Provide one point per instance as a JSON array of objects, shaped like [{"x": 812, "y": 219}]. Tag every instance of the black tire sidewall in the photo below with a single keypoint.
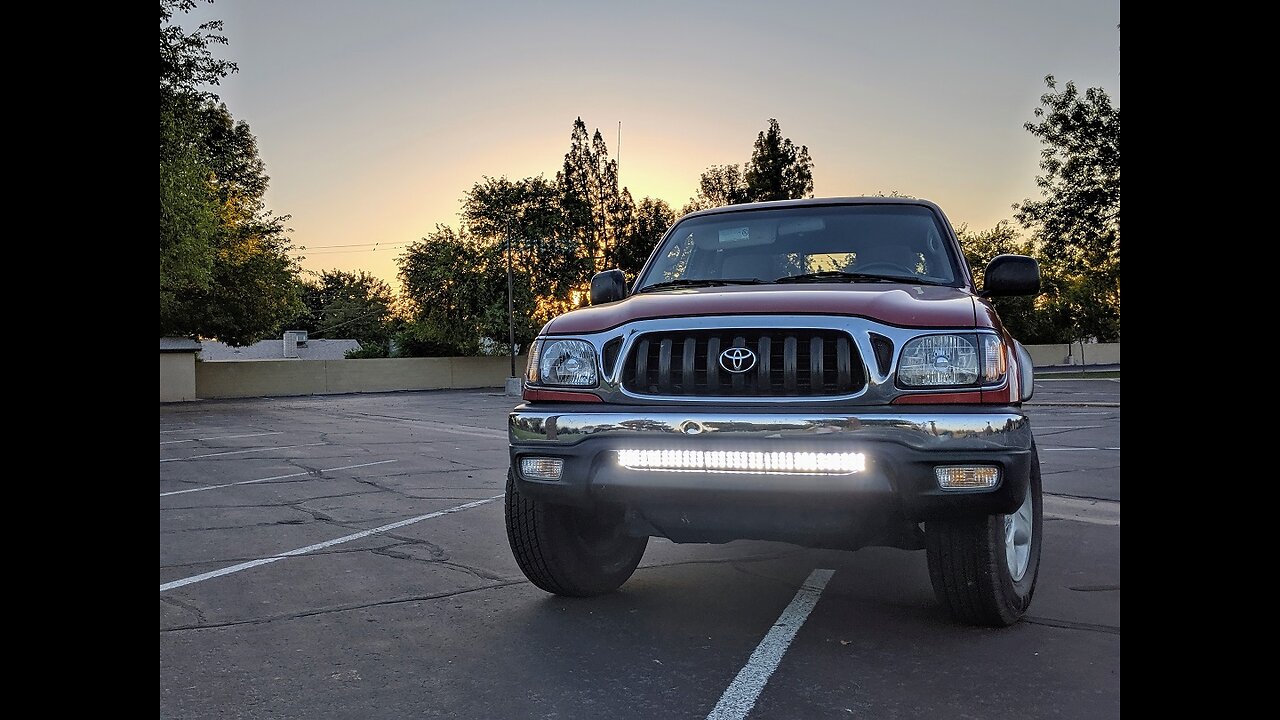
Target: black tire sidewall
[
  {"x": 590, "y": 569},
  {"x": 1017, "y": 595},
  {"x": 551, "y": 551}
]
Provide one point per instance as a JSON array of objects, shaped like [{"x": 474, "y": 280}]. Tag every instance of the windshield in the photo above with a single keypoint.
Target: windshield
[{"x": 825, "y": 243}]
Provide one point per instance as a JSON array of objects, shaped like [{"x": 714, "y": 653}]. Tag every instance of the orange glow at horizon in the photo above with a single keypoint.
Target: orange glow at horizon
[{"x": 375, "y": 120}]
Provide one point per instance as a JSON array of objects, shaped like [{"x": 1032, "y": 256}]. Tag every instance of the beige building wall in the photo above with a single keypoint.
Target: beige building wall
[
  {"x": 257, "y": 378},
  {"x": 1094, "y": 354},
  {"x": 177, "y": 376}
]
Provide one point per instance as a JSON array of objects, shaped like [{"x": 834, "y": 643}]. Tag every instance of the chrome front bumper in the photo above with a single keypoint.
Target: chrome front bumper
[
  {"x": 901, "y": 447},
  {"x": 926, "y": 430}
]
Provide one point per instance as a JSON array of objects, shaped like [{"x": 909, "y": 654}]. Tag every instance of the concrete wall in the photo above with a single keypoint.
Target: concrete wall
[
  {"x": 181, "y": 378},
  {"x": 322, "y": 377},
  {"x": 1095, "y": 354},
  {"x": 177, "y": 376}
]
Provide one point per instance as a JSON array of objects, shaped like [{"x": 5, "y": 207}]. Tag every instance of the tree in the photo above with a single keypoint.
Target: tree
[
  {"x": 188, "y": 204},
  {"x": 548, "y": 257},
  {"x": 1029, "y": 319},
  {"x": 778, "y": 170},
  {"x": 595, "y": 210},
  {"x": 1077, "y": 219},
  {"x": 651, "y": 220},
  {"x": 252, "y": 286},
  {"x": 719, "y": 185},
  {"x": 342, "y": 304},
  {"x": 225, "y": 269},
  {"x": 188, "y": 221},
  {"x": 186, "y": 61},
  {"x": 456, "y": 289}
]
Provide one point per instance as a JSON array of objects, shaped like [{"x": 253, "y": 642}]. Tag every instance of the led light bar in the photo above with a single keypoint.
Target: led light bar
[{"x": 733, "y": 461}]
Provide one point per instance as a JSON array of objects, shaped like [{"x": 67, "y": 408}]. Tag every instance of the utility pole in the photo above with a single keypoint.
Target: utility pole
[{"x": 511, "y": 318}]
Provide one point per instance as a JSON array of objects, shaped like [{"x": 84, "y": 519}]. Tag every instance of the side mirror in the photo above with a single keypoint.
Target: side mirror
[
  {"x": 608, "y": 286},
  {"x": 1008, "y": 275}
]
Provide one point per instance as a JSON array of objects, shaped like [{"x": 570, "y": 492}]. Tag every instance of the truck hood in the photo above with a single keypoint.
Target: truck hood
[{"x": 925, "y": 306}]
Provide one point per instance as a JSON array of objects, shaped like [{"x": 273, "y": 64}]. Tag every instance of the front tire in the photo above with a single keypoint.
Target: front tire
[
  {"x": 567, "y": 550},
  {"x": 984, "y": 570}
]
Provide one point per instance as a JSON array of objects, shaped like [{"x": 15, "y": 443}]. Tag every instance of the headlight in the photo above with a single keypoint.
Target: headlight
[
  {"x": 952, "y": 360},
  {"x": 563, "y": 362}
]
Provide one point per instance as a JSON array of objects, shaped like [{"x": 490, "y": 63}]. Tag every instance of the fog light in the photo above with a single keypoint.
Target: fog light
[
  {"x": 541, "y": 468},
  {"x": 967, "y": 477}
]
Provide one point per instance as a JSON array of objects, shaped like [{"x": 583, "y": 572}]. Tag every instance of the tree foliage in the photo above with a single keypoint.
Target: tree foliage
[
  {"x": 187, "y": 62},
  {"x": 719, "y": 185},
  {"x": 650, "y": 220},
  {"x": 456, "y": 286},
  {"x": 596, "y": 211},
  {"x": 528, "y": 213},
  {"x": 558, "y": 233},
  {"x": 225, "y": 271},
  {"x": 343, "y": 304},
  {"x": 1029, "y": 319},
  {"x": 1076, "y": 222},
  {"x": 778, "y": 170}
]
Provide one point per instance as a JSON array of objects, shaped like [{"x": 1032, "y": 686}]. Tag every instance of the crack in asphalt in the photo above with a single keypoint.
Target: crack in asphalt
[
  {"x": 438, "y": 557},
  {"x": 247, "y": 558},
  {"x": 505, "y": 581},
  {"x": 265, "y": 504},
  {"x": 186, "y": 606},
  {"x": 374, "y": 483},
  {"x": 317, "y": 516},
  {"x": 1072, "y": 625},
  {"x": 343, "y": 608},
  {"x": 246, "y": 526},
  {"x": 1083, "y": 497}
]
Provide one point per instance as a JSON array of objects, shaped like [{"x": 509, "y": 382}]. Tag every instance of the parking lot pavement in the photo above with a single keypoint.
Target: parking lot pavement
[{"x": 345, "y": 556}]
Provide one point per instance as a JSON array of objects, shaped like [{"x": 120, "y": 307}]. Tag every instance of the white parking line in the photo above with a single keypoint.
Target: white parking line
[
  {"x": 218, "y": 437},
  {"x": 240, "y": 452},
  {"x": 165, "y": 587},
  {"x": 743, "y": 692},
  {"x": 273, "y": 477},
  {"x": 1076, "y": 449}
]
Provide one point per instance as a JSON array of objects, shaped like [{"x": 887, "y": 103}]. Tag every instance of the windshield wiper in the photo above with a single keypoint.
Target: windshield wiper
[
  {"x": 704, "y": 282},
  {"x": 840, "y": 276}
]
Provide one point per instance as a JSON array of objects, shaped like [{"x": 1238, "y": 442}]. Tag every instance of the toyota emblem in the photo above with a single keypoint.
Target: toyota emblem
[{"x": 737, "y": 359}]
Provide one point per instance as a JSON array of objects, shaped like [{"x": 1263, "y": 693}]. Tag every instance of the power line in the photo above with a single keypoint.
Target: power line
[
  {"x": 341, "y": 252},
  {"x": 355, "y": 245}
]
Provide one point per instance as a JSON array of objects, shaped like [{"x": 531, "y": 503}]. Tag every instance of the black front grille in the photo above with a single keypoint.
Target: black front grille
[{"x": 787, "y": 363}]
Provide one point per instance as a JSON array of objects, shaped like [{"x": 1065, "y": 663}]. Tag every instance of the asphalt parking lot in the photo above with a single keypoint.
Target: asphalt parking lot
[{"x": 345, "y": 556}]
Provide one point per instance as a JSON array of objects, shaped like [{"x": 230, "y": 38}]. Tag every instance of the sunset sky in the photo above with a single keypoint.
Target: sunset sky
[{"x": 375, "y": 117}]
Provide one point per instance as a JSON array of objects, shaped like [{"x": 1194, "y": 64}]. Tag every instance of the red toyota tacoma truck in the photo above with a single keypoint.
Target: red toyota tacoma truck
[{"x": 821, "y": 372}]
